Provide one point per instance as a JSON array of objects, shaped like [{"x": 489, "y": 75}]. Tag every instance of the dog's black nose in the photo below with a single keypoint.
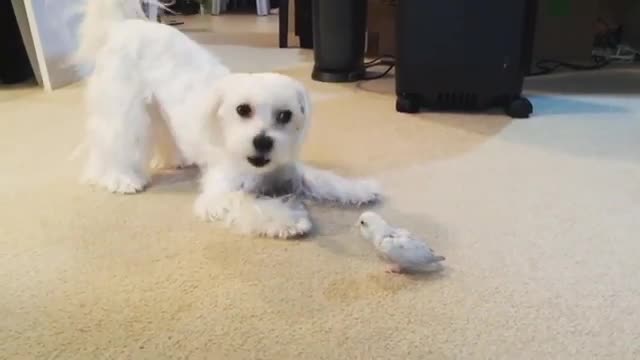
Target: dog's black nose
[{"x": 263, "y": 143}]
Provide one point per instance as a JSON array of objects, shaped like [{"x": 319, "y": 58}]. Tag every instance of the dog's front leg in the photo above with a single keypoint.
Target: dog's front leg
[
  {"x": 284, "y": 217},
  {"x": 324, "y": 185}
]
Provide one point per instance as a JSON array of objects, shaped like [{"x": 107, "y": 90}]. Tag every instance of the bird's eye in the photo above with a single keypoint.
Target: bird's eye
[
  {"x": 244, "y": 110},
  {"x": 283, "y": 117},
  {"x": 363, "y": 223}
]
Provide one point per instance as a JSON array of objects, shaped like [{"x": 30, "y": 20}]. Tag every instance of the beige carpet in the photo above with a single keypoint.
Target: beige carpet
[{"x": 539, "y": 220}]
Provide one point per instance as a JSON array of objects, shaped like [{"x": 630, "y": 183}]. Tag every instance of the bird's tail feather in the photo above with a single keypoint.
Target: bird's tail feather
[{"x": 436, "y": 259}]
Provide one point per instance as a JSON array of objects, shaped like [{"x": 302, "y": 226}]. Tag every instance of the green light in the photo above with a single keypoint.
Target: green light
[{"x": 560, "y": 7}]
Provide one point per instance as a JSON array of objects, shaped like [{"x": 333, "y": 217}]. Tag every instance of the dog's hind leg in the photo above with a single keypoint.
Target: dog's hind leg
[{"x": 118, "y": 133}]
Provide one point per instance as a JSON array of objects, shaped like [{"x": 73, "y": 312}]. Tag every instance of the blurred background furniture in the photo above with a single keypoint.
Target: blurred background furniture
[
  {"x": 302, "y": 22},
  {"x": 14, "y": 62},
  {"x": 218, "y": 6},
  {"x": 158, "y": 13},
  {"x": 49, "y": 36},
  {"x": 283, "y": 24},
  {"x": 186, "y": 7}
]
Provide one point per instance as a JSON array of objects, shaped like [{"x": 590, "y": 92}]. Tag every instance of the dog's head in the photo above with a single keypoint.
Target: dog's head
[{"x": 261, "y": 120}]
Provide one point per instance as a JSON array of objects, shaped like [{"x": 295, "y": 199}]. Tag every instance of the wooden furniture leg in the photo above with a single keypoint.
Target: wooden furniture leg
[{"x": 283, "y": 21}]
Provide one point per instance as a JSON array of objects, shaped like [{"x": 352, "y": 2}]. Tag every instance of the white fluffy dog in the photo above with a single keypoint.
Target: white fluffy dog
[{"x": 158, "y": 99}]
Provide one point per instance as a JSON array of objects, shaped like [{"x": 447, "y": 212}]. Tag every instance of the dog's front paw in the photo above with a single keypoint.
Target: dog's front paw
[
  {"x": 246, "y": 214},
  {"x": 209, "y": 210},
  {"x": 283, "y": 218},
  {"x": 176, "y": 161},
  {"x": 295, "y": 228},
  {"x": 365, "y": 192},
  {"x": 119, "y": 183}
]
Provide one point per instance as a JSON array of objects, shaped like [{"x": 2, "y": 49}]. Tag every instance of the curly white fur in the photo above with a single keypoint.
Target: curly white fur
[{"x": 156, "y": 98}]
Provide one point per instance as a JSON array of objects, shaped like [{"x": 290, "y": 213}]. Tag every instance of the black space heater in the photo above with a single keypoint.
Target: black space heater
[
  {"x": 339, "y": 28},
  {"x": 464, "y": 54}
]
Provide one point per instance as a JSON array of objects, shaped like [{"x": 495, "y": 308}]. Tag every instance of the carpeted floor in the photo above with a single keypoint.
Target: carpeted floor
[{"x": 539, "y": 220}]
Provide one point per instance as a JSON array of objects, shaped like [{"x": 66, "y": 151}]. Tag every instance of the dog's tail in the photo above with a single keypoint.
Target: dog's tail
[{"x": 99, "y": 16}]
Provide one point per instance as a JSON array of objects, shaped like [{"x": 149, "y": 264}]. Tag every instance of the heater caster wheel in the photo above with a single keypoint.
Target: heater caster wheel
[
  {"x": 519, "y": 108},
  {"x": 407, "y": 104}
]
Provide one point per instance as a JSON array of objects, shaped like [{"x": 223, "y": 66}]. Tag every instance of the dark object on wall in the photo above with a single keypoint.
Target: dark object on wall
[
  {"x": 464, "y": 54},
  {"x": 338, "y": 38},
  {"x": 14, "y": 62},
  {"x": 565, "y": 29}
]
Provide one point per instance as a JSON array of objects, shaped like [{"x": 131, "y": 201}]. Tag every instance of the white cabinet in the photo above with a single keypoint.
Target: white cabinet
[{"x": 49, "y": 29}]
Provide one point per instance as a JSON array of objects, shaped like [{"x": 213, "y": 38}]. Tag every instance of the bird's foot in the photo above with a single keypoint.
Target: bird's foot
[{"x": 394, "y": 269}]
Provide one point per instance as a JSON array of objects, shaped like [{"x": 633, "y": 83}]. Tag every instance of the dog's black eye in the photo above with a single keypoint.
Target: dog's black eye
[
  {"x": 363, "y": 223},
  {"x": 283, "y": 117},
  {"x": 244, "y": 110}
]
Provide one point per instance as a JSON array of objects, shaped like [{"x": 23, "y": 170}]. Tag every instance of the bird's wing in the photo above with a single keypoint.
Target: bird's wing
[
  {"x": 405, "y": 250},
  {"x": 392, "y": 232},
  {"x": 400, "y": 232}
]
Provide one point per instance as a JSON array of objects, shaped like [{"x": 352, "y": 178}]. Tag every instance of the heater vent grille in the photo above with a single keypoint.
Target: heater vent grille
[{"x": 457, "y": 100}]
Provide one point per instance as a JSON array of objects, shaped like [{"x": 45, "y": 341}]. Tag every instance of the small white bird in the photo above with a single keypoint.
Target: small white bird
[{"x": 400, "y": 248}]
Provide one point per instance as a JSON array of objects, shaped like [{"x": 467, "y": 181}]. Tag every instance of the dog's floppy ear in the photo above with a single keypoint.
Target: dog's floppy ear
[
  {"x": 214, "y": 99},
  {"x": 208, "y": 110},
  {"x": 303, "y": 100}
]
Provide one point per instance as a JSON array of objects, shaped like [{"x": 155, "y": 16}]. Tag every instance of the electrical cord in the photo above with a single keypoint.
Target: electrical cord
[
  {"x": 608, "y": 38},
  {"x": 383, "y": 60},
  {"x": 547, "y": 66},
  {"x": 380, "y": 58}
]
